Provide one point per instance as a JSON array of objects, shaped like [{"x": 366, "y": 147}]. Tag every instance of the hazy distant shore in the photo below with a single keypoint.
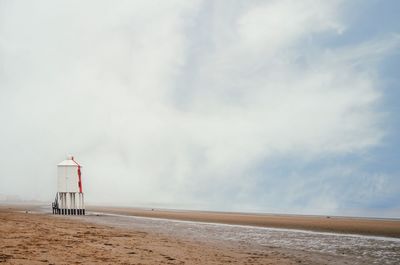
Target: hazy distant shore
[{"x": 350, "y": 225}]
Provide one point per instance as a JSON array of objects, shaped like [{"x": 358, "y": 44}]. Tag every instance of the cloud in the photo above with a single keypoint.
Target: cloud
[{"x": 182, "y": 102}]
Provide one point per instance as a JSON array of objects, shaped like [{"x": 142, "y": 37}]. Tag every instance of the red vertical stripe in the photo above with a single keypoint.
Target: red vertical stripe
[{"x": 79, "y": 175}]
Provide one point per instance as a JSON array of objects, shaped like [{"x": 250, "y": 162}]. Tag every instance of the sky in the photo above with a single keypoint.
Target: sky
[{"x": 255, "y": 106}]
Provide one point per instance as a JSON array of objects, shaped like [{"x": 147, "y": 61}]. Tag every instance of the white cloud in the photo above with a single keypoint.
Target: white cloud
[{"x": 278, "y": 24}]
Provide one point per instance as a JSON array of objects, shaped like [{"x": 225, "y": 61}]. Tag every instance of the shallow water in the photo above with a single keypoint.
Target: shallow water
[{"x": 370, "y": 249}]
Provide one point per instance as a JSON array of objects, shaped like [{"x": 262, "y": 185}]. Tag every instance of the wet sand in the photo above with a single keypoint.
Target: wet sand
[
  {"x": 362, "y": 226},
  {"x": 42, "y": 238}
]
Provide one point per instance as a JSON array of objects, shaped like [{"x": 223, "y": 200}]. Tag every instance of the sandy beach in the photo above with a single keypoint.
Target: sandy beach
[
  {"x": 44, "y": 239},
  {"x": 33, "y": 237}
]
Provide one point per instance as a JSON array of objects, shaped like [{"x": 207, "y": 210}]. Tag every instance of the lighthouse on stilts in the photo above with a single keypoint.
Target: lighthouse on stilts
[{"x": 69, "y": 197}]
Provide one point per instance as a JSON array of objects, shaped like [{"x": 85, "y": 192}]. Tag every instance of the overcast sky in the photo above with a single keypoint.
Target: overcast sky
[{"x": 269, "y": 106}]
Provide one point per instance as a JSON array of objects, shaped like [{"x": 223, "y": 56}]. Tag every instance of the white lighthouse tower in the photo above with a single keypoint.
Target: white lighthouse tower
[{"x": 69, "y": 197}]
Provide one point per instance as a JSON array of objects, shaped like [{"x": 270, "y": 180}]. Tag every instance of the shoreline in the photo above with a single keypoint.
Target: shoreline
[
  {"x": 384, "y": 227},
  {"x": 333, "y": 224}
]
